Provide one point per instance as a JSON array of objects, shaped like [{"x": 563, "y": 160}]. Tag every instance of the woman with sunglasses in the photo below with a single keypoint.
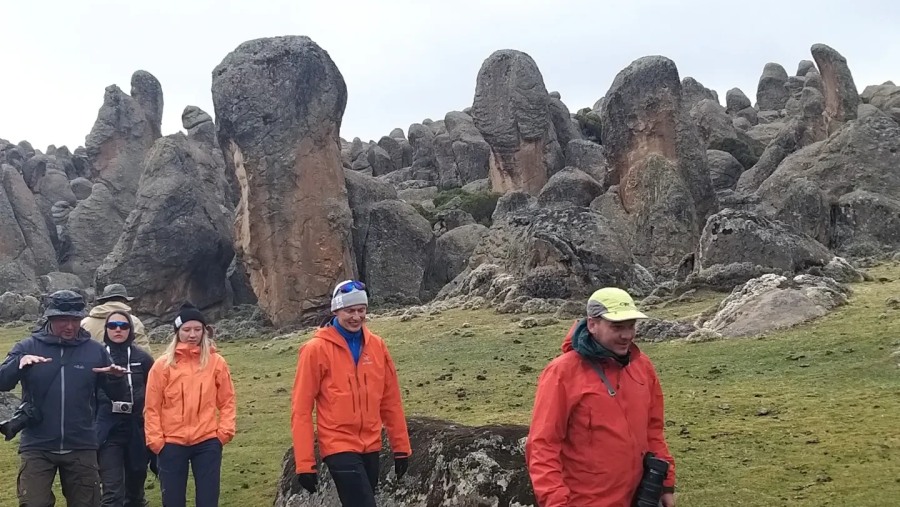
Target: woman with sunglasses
[
  {"x": 346, "y": 372},
  {"x": 123, "y": 455},
  {"x": 190, "y": 411}
]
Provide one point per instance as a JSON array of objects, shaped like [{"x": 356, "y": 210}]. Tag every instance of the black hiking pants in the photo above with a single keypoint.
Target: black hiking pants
[
  {"x": 355, "y": 477},
  {"x": 78, "y": 475}
]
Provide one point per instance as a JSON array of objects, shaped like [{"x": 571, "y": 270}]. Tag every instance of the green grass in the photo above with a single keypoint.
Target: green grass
[{"x": 807, "y": 417}]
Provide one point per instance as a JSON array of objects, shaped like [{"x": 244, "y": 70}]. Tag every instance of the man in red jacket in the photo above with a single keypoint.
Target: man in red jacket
[{"x": 597, "y": 412}]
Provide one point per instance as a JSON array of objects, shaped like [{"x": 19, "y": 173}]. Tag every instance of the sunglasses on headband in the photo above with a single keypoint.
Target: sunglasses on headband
[
  {"x": 351, "y": 286},
  {"x": 117, "y": 325}
]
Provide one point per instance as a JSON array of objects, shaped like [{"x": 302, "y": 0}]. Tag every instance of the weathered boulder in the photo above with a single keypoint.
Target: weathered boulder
[
  {"x": 461, "y": 153},
  {"x": 566, "y": 130},
  {"x": 771, "y": 95},
  {"x": 732, "y": 236},
  {"x": 657, "y": 160},
  {"x": 181, "y": 196},
  {"x": 146, "y": 90},
  {"x": 52, "y": 282},
  {"x": 16, "y": 259},
  {"x": 841, "y": 96},
  {"x": 116, "y": 147},
  {"x": 15, "y": 306},
  {"x": 858, "y": 161},
  {"x": 570, "y": 187},
  {"x": 278, "y": 106},
  {"x": 511, "y": 202},
  {"x": 511, "y": 112},
  {"x": 884, "y": 96},
  {"x": 590, "y": 157},
  {"x": 736, "y": 100},
  {"x": 656, "y": 330},
  {"x": 576, "y": 242},
  {"x": 362, "y": 192},
  {"x": 452, "y": 251},
  {"x": 798, "y": 133},
  {"x": 804, "y": 67},
  {"x": 759, "y": 305},
  {"x": 424, "y": 161},
  {"x": 81, "y": 187},
  {"x": 396, "y": 252},
  {"x": 693, "y": 92},
  {"x": 717, "y": 131},
  {"x": 32, "y": 222},
  {"x": 456, "y": 465},
  {"x": 724, "y": 169}
]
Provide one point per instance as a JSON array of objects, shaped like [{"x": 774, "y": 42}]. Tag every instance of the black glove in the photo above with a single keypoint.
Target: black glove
[
  {"x": 401, "y": 464},
  {"x": 308, "y": 481}
]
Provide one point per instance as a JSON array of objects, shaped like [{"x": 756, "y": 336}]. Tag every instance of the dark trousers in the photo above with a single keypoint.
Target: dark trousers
[
  {"x": 205, "y": 460},
  {"x": 355, "y": 477},
  {"x": 78, "y": 475},
  {"x": 123, "y": 485}
]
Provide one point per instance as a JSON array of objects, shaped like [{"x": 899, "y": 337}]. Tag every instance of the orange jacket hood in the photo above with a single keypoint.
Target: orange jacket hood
[
  {"x": 187, "y": 404},
  {"x": 353, "y": 401}
]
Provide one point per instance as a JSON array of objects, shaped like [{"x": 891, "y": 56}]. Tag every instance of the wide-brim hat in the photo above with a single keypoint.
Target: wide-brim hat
[
  {"x": 114, "y": 290},
  {"x": 65, "y": 303}
]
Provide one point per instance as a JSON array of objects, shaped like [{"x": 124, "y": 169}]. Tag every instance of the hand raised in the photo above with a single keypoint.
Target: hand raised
[
  {"x": 28, "y": 360},
  {"x": 112, "y": 369}
]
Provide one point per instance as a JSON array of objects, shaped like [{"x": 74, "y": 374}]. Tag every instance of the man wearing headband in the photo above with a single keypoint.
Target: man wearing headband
[
  {"x": 598, "y": 413},
  {"x": 346, "y": 372}
]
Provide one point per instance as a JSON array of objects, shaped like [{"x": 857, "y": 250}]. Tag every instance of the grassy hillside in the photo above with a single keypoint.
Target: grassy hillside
[{"x": 807, "y": 417}]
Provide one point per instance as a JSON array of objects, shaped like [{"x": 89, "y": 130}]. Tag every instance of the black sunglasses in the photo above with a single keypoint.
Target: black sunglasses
[{"x": 117, "y": 325}]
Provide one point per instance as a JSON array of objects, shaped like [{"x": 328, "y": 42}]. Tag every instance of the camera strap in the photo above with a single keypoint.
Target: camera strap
[
  {"x": 127, "y": 367},
  {"x": 597, "y": 368}
]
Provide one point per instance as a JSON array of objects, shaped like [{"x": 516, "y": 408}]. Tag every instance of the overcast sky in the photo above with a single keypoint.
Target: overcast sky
[{"x": 404, "y": 61}]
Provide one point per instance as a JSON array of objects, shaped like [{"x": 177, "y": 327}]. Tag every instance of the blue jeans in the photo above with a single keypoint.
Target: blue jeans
[{"x": 205, "y": 459}]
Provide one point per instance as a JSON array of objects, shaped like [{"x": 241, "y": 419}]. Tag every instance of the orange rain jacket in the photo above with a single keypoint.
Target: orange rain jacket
[
  {"x": 182, "y": 400},
  {"x": 352, "y": 401},
  {"x": 585, "y": 447}
]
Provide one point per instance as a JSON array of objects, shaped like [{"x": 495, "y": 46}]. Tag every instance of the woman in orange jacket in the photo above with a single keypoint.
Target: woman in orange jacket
[
  {"x": 598, "y": 412},
  {"x": 190, "y": 411},
  {"x": 346, "y": 372}
]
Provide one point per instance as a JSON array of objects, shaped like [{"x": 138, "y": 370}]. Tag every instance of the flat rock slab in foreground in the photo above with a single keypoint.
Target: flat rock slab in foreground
[{"x": 462, "y": 466}]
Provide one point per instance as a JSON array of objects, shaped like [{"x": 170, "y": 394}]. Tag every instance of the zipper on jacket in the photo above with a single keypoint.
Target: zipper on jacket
[
  {"x": 366, "y": 383},
  {"x": 350, "y": 383},
  {"x": 182, "y": 401},
  {"x": 200, "y": 401},
  {"x": 62, "y": 398},
  {"x": 359, "y": 399}
]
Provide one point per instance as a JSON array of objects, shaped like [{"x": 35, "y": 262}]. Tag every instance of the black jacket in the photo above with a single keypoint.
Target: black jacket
[
  {"x": 64, "y": 389},
  {"x": 139, "y": 362}
]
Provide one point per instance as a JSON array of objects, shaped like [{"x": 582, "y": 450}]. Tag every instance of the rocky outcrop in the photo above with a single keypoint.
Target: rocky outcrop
[
  {"x": 511, "y": 112},
  {"x": 718, "y": 133},
  {"x": 724, "y": 169},
  {"x": 771, "y": 94},
  {"x": 181, "y": 196},
  {"x": 146, "y": 90},
  {"x": 578, "y": 244},
  {"x": 362, "y": 192},
  {"x": 657, "y": 160},
  {"x": 31, "y": 221},
  {"x": 590, "y": 157},
  {"x": 455, "y": 465},
  {"x": 570, "y": 187},
  {"x": 732, "y": 236},
  {"x": 694, "y": 92},
  {"x": 841, "y": 96},
  {"x": 759, "y": 306},
  {"x": 842, "y": 191},
  {"x": 15, "y": 307},
  {"x": 461, "y": 153},
  {"x": 452, "y": 251},
  {"x": 279, "y": 103},
  {"x": 116, "y": 147},
  {"x": 396, "y": 252}
]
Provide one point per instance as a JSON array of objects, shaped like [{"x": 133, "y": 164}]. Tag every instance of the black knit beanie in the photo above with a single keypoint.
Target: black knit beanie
[{"x": 189, "y": 312}]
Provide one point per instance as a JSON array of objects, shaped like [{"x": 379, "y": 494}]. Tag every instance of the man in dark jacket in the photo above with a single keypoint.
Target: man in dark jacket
[
  {"x": 60, "y": 369},
  {"x": 123, "y": 455}
]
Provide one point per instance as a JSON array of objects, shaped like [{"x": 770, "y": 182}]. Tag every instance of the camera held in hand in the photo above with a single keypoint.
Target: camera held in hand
[
  {"x": 122, "y": 407},
  {"x": 25, "y": 415},
  {"x": 650, "y": 489}
]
